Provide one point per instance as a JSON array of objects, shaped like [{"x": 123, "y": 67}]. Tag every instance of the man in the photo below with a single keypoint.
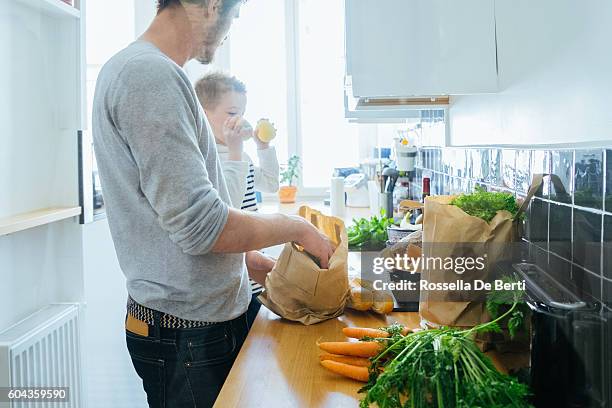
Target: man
[{"x": 179, "y": 244}]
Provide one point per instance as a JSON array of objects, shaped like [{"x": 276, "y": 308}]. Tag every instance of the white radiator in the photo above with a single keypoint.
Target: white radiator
[{"x": 44, "y": 351}]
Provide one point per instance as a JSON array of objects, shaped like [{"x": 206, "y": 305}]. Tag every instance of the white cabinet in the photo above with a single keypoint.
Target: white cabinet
[{"x": 405, "y": 48}]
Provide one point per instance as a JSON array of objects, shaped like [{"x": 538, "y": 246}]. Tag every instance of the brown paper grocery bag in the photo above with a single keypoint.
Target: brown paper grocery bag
[
  {"x": 298, "y": 289},
  {"x": 450, "y": 232}
]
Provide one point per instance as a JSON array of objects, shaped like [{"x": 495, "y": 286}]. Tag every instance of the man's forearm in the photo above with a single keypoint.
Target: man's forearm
[{"x": 247, "y": 231}]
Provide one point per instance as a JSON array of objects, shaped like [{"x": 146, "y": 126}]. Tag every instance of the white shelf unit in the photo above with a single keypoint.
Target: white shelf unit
[
  {"x": 32, "y": 219},
  {"x": 56, "y": 8},
  {"x": 42, "y": 79},
  {"x": 41, "y": 105}
]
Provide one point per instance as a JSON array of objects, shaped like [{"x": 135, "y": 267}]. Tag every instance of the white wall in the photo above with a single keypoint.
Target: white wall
[
  {"x": 110, "y": 377},
  {"x": 39, "y": 266},
  {"x": 555, "y": 77}
]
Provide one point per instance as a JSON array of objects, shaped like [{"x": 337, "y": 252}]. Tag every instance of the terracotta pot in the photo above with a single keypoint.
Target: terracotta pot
[{"x": 286, "y": 194}]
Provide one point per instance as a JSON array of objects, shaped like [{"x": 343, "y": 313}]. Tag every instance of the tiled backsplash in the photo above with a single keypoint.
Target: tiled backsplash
[{"x": 568, "y": 223}]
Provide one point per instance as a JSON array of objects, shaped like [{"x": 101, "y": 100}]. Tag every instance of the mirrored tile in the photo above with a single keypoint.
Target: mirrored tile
[
  {"x": 562, "y": 162},
  {"x": 448, "y": 157},
  {"x": 460, "y": 163},
  {"x": 480, "y": 164},
  {"x": 609, "y": 181},
  {"x": 468, "y": 186},
  {"x": 508, "y": 168},
  {"x": 587, "y": 283},
  {"x": 436, "y": 160},
  {"x": 457, "y": 186},
  {"x": 448, "y": 184},
  {"x": 540, "y": 164},
  {"x": 560, "y": 230},
  {"x": 560, "y": 269},
  {"x": 588, "y": 178},
  {"x": 586, "y": 240},
  {"x": 536, "y": 228},
  {"x": 494, "y": 176},
  {"x": 607, "y": 294},
  {"x": 607, "y": 247},
  {"x": 523, "y": 170}
]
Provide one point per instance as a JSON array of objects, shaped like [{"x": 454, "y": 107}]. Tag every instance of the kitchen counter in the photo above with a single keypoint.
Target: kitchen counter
[{"x": 278, "y": 365}]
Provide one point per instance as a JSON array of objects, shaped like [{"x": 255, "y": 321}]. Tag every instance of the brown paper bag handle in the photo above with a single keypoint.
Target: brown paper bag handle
[{"x": 536, "y": 183}]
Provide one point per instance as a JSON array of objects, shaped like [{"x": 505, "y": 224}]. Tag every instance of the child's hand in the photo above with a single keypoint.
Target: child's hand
[
  {"x": 235, "y": 131},
  {"x": 261, "y": 145}
]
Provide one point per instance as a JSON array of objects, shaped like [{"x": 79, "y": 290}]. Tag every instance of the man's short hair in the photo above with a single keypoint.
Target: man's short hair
[
  {"x": 214, "y": 85},
  {"x": 227, "y": 4}
]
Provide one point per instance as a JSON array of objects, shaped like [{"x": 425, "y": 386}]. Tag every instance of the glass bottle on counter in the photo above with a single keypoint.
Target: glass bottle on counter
[{"x": 426, "y": 188}]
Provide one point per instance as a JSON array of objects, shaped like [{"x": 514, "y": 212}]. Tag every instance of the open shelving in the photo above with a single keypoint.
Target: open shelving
[
  {"x": 24, "y": 221},
  {"x": 54, "y": 7}
]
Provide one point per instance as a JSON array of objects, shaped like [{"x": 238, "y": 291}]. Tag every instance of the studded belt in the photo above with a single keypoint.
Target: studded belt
[{"x": 167, "y": 321}]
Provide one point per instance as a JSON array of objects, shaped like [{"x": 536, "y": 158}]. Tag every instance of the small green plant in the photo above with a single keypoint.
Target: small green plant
[{"x": 291, "y": 170}]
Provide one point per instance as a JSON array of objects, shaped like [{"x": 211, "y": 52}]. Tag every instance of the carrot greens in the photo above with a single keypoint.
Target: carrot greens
[{"x": 444, "y": 368}]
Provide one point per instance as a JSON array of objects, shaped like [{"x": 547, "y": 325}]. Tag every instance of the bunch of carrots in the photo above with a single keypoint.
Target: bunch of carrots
[{"x": 352, "y": 359}]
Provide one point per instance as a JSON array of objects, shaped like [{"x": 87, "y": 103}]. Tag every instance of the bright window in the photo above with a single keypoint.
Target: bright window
[
  {"x": 258, "y": 57},
  {"x": 327, "y": 140},
  {"x": 290, "y": 54}
]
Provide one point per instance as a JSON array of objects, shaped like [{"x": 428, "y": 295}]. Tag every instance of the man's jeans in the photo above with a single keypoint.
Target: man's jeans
[{"x": 186, "y": 368}]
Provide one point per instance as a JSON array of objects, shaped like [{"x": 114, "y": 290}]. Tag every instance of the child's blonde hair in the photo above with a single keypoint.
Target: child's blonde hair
[{"x": 214, "y": 85}]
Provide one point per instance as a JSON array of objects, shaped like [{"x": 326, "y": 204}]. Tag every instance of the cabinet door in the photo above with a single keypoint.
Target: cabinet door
[{"x": 400, "y": 48}]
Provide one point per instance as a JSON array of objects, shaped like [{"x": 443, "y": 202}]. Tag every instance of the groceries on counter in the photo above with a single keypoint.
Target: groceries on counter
[
  {"x": 298, "y": 289},
  {"x": 369, "y": 234},
  {"x": 364, "y": 297},
  {"x": 478, "y": 225},
  {"x": 427, "y": 368},
  {"x": 353, "y": 359},
  {"x": 265, "y": 130}
]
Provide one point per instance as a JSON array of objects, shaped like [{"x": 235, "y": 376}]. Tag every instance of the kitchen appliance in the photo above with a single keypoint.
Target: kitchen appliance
[
  {"x": 356, "y": 188},
  {"x": 568, "y": 343},
  {"x": 405, "y": 155}
]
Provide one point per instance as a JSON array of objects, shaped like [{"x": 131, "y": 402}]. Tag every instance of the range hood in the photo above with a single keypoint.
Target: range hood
[{"x": 388, "y": 108}]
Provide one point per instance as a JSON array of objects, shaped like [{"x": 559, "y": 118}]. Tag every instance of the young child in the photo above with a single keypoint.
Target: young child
[{"x": 224, "y": 101}]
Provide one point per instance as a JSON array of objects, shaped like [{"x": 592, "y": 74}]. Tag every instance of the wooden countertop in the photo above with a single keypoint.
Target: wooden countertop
[{"x": 278, "y": 365}]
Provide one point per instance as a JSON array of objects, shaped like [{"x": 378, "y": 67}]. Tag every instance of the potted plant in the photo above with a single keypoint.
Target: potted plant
[{"x": 289, "y": 175}]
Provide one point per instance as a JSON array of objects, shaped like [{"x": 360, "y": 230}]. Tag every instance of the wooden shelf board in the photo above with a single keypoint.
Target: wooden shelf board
[
  {"x": 53, "y": 7},
  {"x": 36, "y": 218}
]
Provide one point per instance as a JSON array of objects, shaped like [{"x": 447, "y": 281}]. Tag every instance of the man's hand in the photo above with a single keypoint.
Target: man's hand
[
  {"x": 258, "y": 266},
  {"x": 235, "y": 131},
  {"x": 314, "y": 242}
]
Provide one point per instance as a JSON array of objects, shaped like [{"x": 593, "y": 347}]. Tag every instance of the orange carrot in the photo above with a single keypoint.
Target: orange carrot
[
  {"x": 361, "y": 332},
  {"x": 357, "y": 349},
  {"x": 347, "y": 370},
  {"x": 351, "y": 360}
]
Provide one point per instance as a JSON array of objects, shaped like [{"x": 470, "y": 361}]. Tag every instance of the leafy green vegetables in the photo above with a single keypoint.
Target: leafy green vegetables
[
  {"x": 443, "y": 368},
  {"x": 366, "y": 233},
  {"x": 485, "y": 204}
]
